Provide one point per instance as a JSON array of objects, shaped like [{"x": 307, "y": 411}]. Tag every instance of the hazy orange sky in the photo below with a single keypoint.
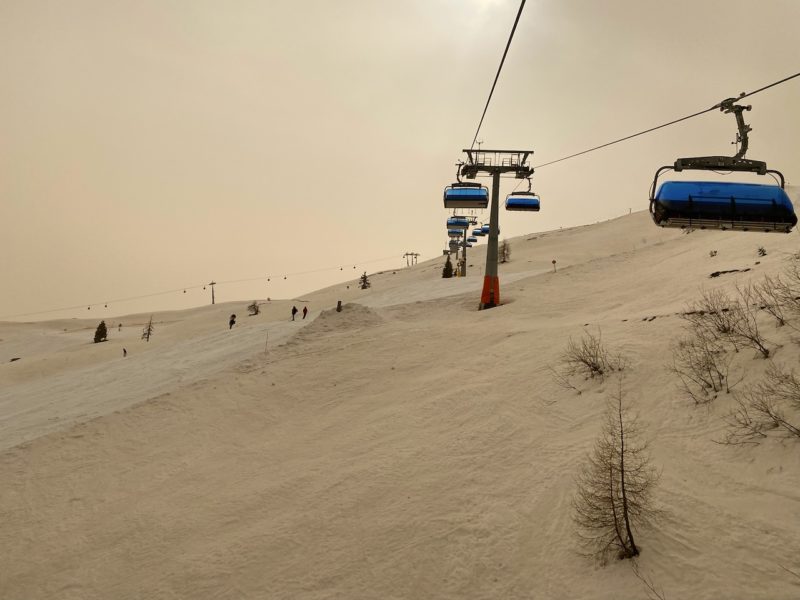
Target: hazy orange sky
[{"x": 147, "y": 146}]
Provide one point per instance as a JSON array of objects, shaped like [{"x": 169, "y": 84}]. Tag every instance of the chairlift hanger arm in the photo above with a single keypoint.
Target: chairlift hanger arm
[
  {"x": 729, "y": 106},
  {"x": 459, "y": 164},
  {"x": 737, "y": 162}
]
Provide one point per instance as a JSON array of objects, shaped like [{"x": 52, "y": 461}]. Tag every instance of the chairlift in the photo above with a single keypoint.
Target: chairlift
[
  {"x": 478, "y": 231},
  {"x": 523, "y": 201},
  {"x": 458, "y": 222},
  {"x": 466, "y": 194},
  {"x": 472, "y": 239},
  {"x": 455, "y": 233},
  {"x": 485, "y": 229},
  {"x": 723, "y": 205}
]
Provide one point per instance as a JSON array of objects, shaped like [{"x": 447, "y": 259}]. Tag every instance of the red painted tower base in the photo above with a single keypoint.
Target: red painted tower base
[{"x": 490, "y": 297}]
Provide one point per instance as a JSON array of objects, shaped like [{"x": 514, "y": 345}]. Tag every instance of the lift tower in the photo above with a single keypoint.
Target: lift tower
[{"x": 494, "y": 163}]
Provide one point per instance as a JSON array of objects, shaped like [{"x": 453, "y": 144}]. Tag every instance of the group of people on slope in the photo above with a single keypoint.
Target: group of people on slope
[{"x": 232, "y": 320}]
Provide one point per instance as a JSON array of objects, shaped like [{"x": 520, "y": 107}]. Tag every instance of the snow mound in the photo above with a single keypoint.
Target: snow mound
[{"x": 353, "y": 316}]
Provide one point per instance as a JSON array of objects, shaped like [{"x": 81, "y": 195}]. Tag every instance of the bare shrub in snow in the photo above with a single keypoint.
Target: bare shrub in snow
[
  {"x": 253, "y": 308},
  {"x": 717, "y": 316},
  {"x": 772, "y": 404},
  {"x": 746, "y": 321},
  {"x": 613, "y": 498},
  {"x": 770, "y": 294},
  {"x": 713, "y": 316},
  {"x": 702, "y": 365},
  {"x": 588, "y": 356},
  {"x": 788, "y": 290}
]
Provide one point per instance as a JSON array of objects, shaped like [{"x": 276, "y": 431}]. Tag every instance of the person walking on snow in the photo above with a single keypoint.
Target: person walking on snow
[
  {"x": 232, "y": 322},
  {"x": 294, "y": 312},
  {"x": 305, "y": 311}
]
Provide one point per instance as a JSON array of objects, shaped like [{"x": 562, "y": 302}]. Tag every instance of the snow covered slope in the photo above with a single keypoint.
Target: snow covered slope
[{"x": 407, "y": 447}]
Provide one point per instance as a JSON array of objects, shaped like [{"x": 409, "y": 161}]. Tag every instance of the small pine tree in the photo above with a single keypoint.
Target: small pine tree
[
  {"x": 447, "y": 271},
  {"x": 254, "y": 308},
  {"x": 504, "y": 252},
  {"x": 148, "y": 330},
  {"x": 364, "y": 281},
  {"x": 101, "y": 334},
  {"x": 615, "y": 486}
]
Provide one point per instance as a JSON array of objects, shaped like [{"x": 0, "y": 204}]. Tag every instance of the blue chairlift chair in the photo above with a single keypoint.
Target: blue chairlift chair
[
  {"x": 723, "y": 205},
  {"x": 466, "y": 195}
]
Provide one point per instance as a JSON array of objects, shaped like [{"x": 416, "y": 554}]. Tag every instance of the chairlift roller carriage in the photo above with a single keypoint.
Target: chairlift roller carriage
[{"x": 723, "y": 205}]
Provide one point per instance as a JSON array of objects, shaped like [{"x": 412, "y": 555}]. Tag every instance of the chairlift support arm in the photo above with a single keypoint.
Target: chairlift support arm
[{"x": 737, "y": 162}]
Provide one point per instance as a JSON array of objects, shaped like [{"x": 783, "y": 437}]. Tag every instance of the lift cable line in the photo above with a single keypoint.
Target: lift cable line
[
  {"x": 185, "y": 288},
  {"x": 496, "y": 77},
  {"x": 719, "y": 105}
]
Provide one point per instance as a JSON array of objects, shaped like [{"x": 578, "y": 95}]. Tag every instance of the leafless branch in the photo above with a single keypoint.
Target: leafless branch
[
  {"x": 789, "y": 571},
  {"x": 762, "y": 407},
  {"x": 652, "y": 592},
  {"x": 746, "y": 323},
  {"x": 562, "y": 380}
]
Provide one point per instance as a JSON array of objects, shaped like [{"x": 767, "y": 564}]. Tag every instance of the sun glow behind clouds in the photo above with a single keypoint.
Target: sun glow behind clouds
[
  {"x": 484, "y": 6},
  {"x": 489, "y": 3}
]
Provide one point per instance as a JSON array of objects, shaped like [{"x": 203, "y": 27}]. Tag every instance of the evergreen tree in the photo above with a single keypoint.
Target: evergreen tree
[
  {"x": 364, "y": 281},
  {"x": 101, "y": 334},
  {"x": 447, "y": 271}
]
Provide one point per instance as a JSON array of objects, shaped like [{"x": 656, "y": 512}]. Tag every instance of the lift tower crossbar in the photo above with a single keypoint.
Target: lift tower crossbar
[{"x": 494, "y": 163}]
